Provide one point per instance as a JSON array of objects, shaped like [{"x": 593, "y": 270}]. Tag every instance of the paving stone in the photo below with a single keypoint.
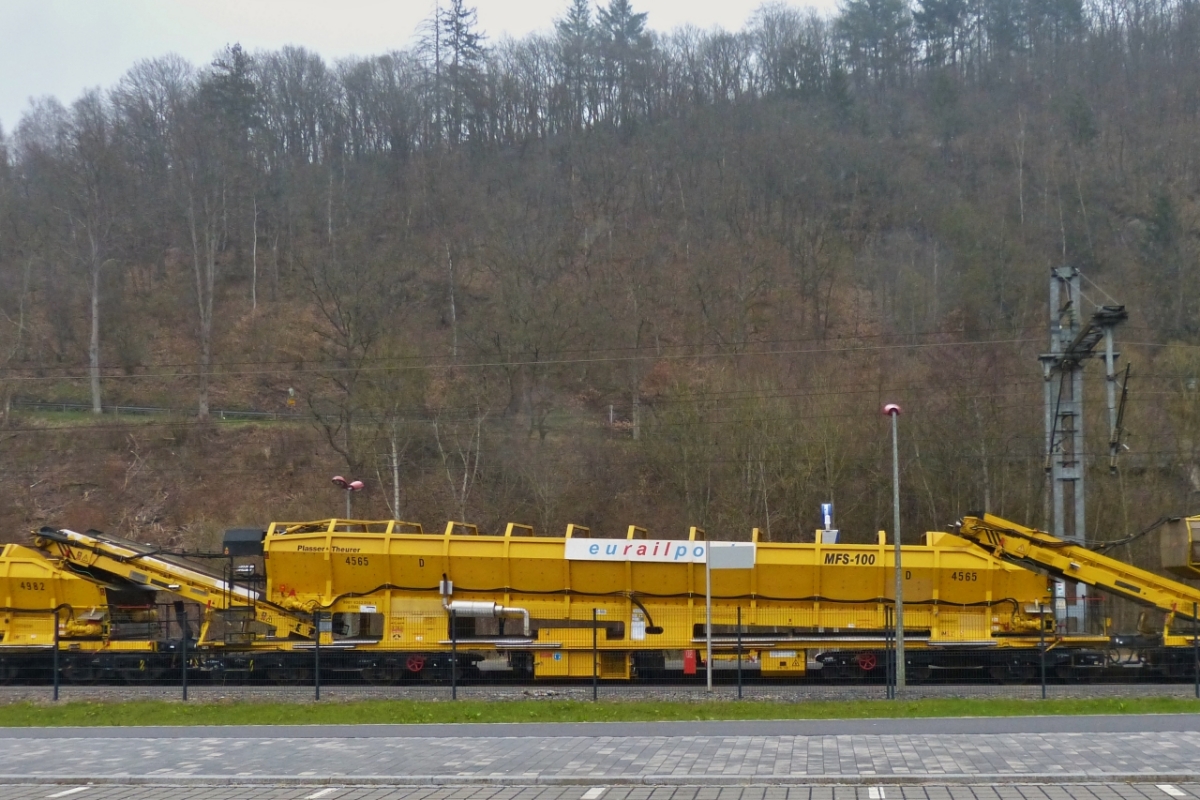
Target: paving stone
[{"x": 696, "y": 757}]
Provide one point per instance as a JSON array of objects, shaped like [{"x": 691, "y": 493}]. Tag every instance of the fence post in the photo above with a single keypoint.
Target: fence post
[
  {"x": 183, "y": 654},
  {"x": 317, "y": 656},
  {"x": 55, "y": 654},
  {"x": 595, "y": 659},
  {"x": 739, "y": 646},
  {"x": 453, "y": 655},
  {"x": 889, "y": 667},
  {"x": 1195, "y": 650},
  {"x": 1042, "y": 644}
]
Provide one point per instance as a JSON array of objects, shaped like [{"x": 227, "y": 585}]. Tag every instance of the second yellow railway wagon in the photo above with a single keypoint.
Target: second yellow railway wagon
[{"x": 532, "y": 604}]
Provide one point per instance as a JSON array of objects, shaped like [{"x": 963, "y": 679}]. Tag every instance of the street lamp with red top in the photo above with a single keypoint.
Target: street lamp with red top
[{"x": 350, "y": 486}]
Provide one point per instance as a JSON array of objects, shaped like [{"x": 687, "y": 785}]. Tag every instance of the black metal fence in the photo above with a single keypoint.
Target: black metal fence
[
  {"x": 585, "y": 656},
  {"x": 22, "y": 404}
]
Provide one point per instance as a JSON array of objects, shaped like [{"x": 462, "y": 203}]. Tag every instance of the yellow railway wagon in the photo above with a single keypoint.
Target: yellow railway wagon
[
  {"x": 33, "y": 586},
  {"x": 540, "y": 603}
]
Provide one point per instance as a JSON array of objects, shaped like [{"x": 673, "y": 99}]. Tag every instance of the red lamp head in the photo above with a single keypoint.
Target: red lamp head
[
  {"x": 891, "y": 409},
  {"x": 338, "y": 480},
  {"x": 355, "y": 486}
]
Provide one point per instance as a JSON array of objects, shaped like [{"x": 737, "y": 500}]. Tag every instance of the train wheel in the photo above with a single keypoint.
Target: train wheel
[
  {"x": 415, "y": 664},
  {"x": 80, "y": 674},
  {"x": 835, "y": 672},
  {"x": 441, "y": 673},
  {"x": 140, "y": 676},
  {"x": 1069, "y": 673},
  {"x": 8, "y": 671},
  {"x": 1024, "y": 673},
  {"x": 921, "y": 673},
  {"x": 382, "y": 674},
  {"x": 139, "y": 673},
  {"x": 1179, "y": 672},
  {"x": 867, "y": 661},
  {"x": 289, "y": 676}
]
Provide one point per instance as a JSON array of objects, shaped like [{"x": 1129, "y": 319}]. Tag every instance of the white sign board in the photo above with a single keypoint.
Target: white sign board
[
  {"x": 660, "y": 551},
  {"x": 732, "y": 555}
]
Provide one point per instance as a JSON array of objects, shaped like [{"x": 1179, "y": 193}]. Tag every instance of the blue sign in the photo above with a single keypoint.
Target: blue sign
[{"x": 827, "y": 515}]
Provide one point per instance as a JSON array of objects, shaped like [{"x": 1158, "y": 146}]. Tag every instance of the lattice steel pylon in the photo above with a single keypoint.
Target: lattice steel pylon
[{"x": 1072, "y": 341}]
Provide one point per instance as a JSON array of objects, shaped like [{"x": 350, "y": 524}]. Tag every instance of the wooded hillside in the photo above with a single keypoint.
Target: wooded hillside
[{"x": 607, "y": 275}]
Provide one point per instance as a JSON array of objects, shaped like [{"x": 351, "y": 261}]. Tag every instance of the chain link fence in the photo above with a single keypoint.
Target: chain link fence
[{"x": 577, "y": 653}]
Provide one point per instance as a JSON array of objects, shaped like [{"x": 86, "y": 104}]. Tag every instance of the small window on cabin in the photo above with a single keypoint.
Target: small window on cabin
[{"x": 358, "y": 625}]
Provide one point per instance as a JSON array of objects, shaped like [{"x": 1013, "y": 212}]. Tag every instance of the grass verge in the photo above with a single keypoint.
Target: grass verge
[{"x": 418, "y": 711}]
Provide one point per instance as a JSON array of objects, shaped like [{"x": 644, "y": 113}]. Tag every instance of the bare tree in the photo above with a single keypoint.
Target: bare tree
[
  {"x": 92, "y": 214},
  {"x": 458, "y": 419},
  {"x": 212, "y": 138}
]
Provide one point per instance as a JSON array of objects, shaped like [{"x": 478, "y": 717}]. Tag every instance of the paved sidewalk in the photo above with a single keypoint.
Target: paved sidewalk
[
  {"x": 1166, "y": 750},
  {"x": 1095, "y": 791}
]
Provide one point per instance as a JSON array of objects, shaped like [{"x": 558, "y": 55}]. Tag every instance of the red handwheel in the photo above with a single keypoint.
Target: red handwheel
[
  {"x": 867, "y": 661},
  {"x": 415, "y": 663}
]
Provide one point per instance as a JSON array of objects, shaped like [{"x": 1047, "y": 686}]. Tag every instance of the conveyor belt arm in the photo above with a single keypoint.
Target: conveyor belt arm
[
  {"x": 1074, "y": 562},
  {"x": 145, "y": 566}
]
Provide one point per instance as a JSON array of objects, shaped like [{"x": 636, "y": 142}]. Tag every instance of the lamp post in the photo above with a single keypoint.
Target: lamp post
[
  {"x": 893, "y": 411},
  {"x": 350, "y": 487}
]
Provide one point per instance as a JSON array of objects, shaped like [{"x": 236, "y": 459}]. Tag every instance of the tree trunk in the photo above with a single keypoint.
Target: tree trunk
[
  {"x": 983, "y": 461},
  {"x": 254, "y": 260},
  {"x": 205, "y": 269},
  {"x": 395, "y": 477},
  {"x": 205, "y": 362},
  {"x": 637, "y": 416},
  {"x": 94, "y": 344},
  {"x": 453, "y": 310}
]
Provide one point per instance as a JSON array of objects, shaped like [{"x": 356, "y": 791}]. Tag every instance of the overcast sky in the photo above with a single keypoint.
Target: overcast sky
[{"x": 62, "y": 47}]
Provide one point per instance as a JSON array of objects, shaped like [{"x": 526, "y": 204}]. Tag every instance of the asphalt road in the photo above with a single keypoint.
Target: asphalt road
[{"x": 1131, "y": 723}]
